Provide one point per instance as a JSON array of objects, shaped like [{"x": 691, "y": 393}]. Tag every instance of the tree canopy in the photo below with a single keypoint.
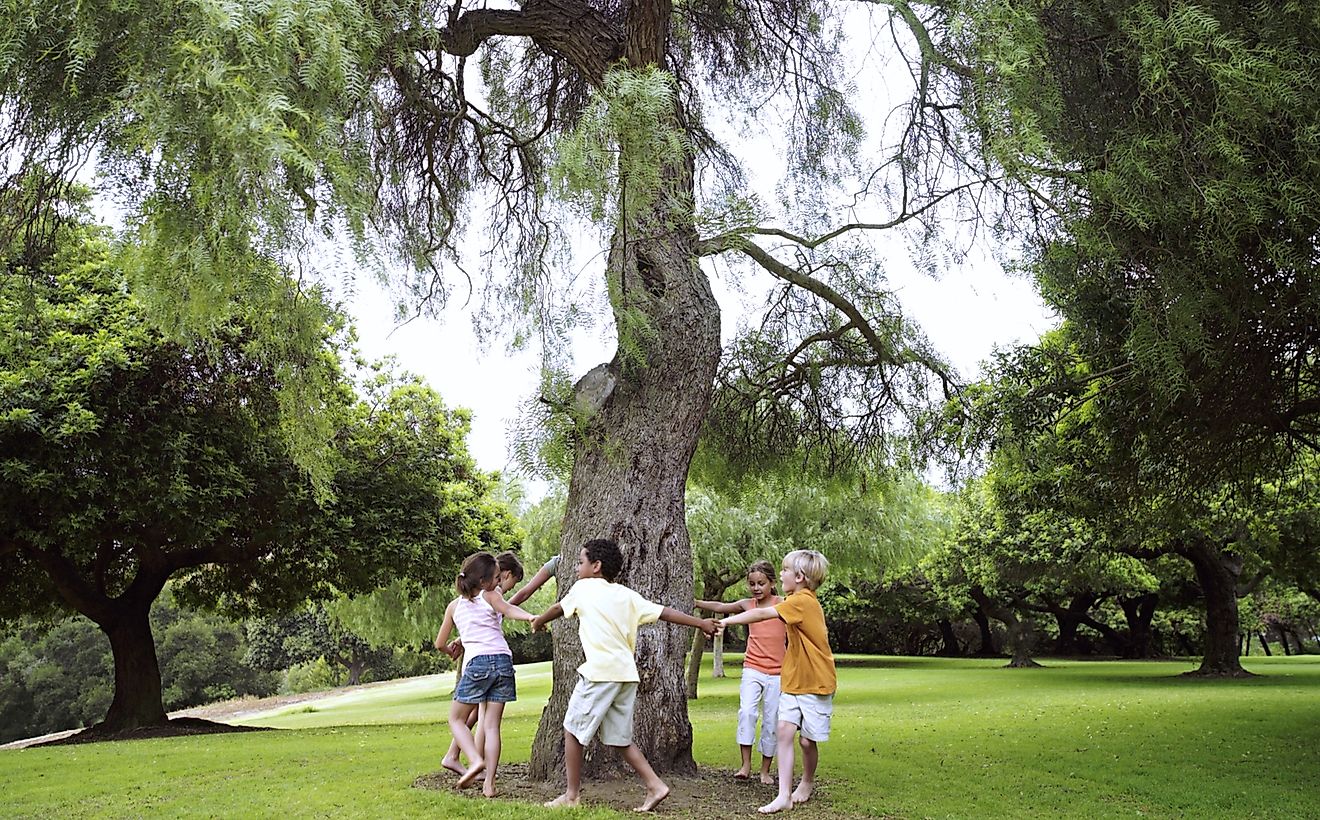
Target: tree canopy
[{"x": 129, "y": 458}]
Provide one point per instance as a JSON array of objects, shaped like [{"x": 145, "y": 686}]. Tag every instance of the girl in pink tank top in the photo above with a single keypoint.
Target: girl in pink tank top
[
  {"x": 758, "y": 691},
  {"x": 487, "y": 679}
]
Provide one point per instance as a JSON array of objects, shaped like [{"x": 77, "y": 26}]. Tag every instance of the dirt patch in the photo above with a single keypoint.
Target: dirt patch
[
  {"x": 175, "y": 727},
  {"x": 710, "y": 794}
]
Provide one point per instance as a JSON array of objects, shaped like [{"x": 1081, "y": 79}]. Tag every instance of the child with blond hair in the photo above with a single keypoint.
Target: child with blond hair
[{"x": 808, "y": 680}]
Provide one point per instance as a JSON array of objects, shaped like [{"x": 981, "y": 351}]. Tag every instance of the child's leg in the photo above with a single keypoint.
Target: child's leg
[
  {"x": 749, "y": 701},
  {"x": 769, "y": 721},
  {"x": 492, "y": 712},
  {"x": 810, "y": 754},
  {"x": 572, "y": 773},
  {"x": 784, "y": 751},
  {"x": 458, "y": 724},
  {"x": 656, "y": 789},
  {"x": 450, "y": 760}
]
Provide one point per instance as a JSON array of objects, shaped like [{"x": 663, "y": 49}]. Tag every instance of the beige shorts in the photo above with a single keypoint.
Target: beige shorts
[
  {"x": 810, "y": 713},
  {"x": 602, "y": 706}
]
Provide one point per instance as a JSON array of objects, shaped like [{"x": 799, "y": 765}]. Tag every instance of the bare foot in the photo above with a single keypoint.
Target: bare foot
[
  {"x": 767, "y": 779},
  {"x": 563, "y": 801},
  {"x": 741, "y": 774},
  {"x": 452, "y": 765},
  {"x": 776, "y": 805},
  {"x": 803, "y": 792},
  {"x": 653, "y": 798},
  {"x": 490, "y": 792},
  {"x": 469, "y": 776}
]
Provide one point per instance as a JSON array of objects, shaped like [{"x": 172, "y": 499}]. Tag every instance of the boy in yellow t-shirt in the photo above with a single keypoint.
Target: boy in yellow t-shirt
[
  {"x": 602, "y": 702},
  {"x": 807, "y": 680}
]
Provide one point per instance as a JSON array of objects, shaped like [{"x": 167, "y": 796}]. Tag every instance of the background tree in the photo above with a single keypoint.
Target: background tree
[
  {"x": 129, "y": 459},
  {"x": 57, "y": 676}
]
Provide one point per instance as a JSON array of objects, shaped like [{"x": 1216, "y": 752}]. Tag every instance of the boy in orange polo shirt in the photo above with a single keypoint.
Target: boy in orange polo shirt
[{"x": 807, "y": 681}]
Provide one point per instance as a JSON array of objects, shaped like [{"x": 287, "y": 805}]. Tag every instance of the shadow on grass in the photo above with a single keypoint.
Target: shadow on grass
[{"x": 174, "y": 727}]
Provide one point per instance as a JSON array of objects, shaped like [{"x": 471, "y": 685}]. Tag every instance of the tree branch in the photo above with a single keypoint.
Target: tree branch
[{"x": 574, "y": 30}]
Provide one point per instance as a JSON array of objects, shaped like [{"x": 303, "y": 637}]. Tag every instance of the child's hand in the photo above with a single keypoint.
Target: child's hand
[
  {"x": 454, "y": 649},
  {"x": 711, "y": 626}
]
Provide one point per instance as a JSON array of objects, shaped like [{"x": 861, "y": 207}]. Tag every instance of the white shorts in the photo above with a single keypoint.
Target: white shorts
[
  {"x": 810, "y": 713},
  {"x": 604, "y": 706},
  {"x": 758, "y": 696}
]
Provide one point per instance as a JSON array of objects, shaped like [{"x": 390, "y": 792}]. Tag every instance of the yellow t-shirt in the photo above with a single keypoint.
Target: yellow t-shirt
[
  {"x": 808, "y": 663},
  {"x": 608, "y": 616}
]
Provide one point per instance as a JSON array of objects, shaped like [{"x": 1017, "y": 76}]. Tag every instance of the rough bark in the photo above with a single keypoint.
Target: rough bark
[
  {"x": 1217, "y": 572},
  {"x": 629, "y": 473}
]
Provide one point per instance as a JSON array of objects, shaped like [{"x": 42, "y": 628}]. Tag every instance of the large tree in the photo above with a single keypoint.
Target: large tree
[
  {"x": 1171, "y": 149},
  {"x": 235, "y": 133},
  {"x": 127, "y": 459}
]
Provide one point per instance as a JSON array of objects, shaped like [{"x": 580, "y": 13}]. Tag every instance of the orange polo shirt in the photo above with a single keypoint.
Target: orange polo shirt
[{"x": 809, "y": 663}]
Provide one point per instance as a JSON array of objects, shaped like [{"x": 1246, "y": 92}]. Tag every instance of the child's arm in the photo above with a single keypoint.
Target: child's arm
[
  {"x": 539, "y": 622},
  {"x": 505, "y": 608},
  {"x": 719, "y": 606},
  {"x": 545, "y": 573},
  {"x": 446, "y": 627},
  {"x": 751, "y": 616},
  {"x": 708, "y": 625}
]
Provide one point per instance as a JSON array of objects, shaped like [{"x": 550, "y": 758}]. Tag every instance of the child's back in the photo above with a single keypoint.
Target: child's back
[{"x": 480, "y": 627}]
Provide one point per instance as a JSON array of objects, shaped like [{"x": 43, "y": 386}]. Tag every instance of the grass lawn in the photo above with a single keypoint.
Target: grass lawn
[{"x": 912, "y": 737}]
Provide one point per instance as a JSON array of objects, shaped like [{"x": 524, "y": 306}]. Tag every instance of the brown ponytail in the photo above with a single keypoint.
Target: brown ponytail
[{"x": 478, "y": 570}]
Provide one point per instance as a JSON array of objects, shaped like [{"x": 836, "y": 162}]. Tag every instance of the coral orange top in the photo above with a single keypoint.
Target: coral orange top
[{"x": 766, "y": 643}]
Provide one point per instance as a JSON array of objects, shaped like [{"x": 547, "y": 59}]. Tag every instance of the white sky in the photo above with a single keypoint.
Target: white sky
[{"x": 966, "y": 313}]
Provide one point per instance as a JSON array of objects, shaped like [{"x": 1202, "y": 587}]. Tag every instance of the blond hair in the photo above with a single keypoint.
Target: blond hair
[{"x": 811, "y": 565}]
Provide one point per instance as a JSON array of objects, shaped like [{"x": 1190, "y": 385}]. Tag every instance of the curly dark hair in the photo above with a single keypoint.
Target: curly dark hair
[{"x": 608, "y": 554}]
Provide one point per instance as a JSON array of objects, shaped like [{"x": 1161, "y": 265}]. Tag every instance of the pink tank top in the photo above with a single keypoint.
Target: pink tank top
[{"x": 480, "y": 627}]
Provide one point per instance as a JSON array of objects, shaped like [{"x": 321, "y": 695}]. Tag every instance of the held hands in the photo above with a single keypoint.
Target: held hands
[{"x": 711, "y": 626}]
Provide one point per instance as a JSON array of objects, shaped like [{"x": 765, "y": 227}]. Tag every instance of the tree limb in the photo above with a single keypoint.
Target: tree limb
[{"x": 574, "y": 30}]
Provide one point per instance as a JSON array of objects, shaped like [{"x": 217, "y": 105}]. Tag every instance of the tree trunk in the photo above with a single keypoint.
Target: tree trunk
[
  {"x": 1217, "y": 573},
  {"x": 717, "y": 668},
  {"x": 988, "y": 647},
  {"x": 1069, "y": 618},
  {"x": 1283, "y": 640},
  {"x": 1265, "y": 645},
  {"x": 630, "y": 469},
  {"x": 1021, "y": 637},
  {"x": 1021, "y": 631},
  {"x": 950, "y": 649},
  {"x": 137, "y": 700},
  {"x": 1139, "y": 611},
  {"x": 694, "y": 662}
]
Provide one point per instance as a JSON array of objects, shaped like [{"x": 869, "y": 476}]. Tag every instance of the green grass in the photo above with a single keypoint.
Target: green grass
[{"x": 913, "y": 737}]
